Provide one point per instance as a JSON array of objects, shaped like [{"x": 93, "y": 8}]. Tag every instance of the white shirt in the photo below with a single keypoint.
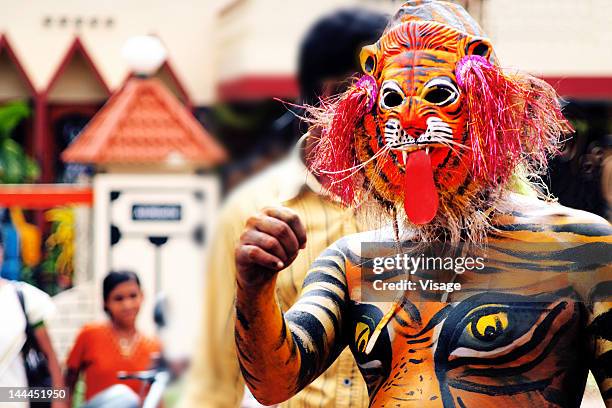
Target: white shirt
[{"x": 39, "y": 307}]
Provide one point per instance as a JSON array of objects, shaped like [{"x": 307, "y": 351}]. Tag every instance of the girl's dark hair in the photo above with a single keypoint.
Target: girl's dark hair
[{"x": 114, "y": 279}]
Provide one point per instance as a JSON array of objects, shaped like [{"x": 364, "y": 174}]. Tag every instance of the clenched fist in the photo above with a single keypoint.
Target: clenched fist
[{"x": 269, "y": 244}]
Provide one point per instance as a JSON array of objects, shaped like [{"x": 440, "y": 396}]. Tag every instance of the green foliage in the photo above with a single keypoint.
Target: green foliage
[
  {"x": 15, "y": 166},
  {"x": 11, "y": 115},
  {"x": 48, "y": 273}
]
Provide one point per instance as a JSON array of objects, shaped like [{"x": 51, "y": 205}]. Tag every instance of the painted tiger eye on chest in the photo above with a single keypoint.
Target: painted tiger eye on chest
[{"x": 489, "y": 346}]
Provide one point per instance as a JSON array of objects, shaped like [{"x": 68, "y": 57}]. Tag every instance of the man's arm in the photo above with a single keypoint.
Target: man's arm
[
  {"x": 280, "y": 354},
  {"x": 57, "y": 380}
]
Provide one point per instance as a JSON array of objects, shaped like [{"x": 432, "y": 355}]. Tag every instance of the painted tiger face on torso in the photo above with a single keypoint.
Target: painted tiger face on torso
[{"x": 516, "y": 334}]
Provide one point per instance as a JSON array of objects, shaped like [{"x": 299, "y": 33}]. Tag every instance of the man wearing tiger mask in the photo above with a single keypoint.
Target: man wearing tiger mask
[{"x": 445, "y": 143}]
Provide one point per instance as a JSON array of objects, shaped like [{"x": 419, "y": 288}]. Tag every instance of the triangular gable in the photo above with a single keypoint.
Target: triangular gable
[
  {"x": 77, "y": 78},
  {"x": 14, "y": 81}
]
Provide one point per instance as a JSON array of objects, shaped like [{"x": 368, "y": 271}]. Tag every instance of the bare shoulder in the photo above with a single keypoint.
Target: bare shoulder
[
  {"x": 533, "y": 215},
  {"x": 353, "y": 251},
  {"x": 355, "y": 246}
]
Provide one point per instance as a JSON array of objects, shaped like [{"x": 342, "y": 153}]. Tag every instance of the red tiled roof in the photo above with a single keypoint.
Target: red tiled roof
[{"x": 144, "y": 123}]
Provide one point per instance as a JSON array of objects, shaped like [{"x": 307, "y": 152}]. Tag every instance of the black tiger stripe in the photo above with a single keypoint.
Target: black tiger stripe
[
  {"x": 243, "y": 355},
  {"x": 601, "y": 252},
  {"x": 282, "y": 337},
  {"x": 379, "y": 136},
  {"x": 326, "y": 294},
  {"x": 324, "y": 261},
  {"x": 500, "y": 389},
  {"x": 602, "y": 366},
  {"x": 464, "y": 186},
  {"x": 332, "y": 316},
  {"x": 417, "y": 341},
  {"x": 588, "y": 230},
  {"x": 555, "y": 396},
  {"x": 401, "y": 321},
  {"x": 433, "y": 322},
  {"x": 242, "y": 319},
  {"x": 601, "y": 292},
  {"x": 248, "y": 377},
  {"x": 428, "y": 111},
  {"x": 292, "y": 351},
  {"x": 310, "y": 324},
  {"x": 434, "y": 59},
  {"x": 309, "y": 360},
  {"x": 317, "y": 277}
]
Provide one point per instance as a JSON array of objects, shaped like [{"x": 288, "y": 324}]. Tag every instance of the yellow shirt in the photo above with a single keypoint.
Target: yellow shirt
[{"x": 215, "y": 379}]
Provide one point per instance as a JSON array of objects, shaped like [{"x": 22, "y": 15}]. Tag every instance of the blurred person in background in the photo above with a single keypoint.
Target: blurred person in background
[
  {"x": 329, "y": 53},
  {"x": 104, "y": 349},
  {"x": 606, "y": 175},
  {"x": 22, "y": 305}
]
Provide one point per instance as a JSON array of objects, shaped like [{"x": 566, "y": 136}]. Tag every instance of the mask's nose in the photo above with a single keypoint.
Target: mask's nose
[{"x": 413, "y": 124}]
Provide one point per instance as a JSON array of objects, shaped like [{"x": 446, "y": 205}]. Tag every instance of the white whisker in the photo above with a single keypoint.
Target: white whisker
[{"x": 358, "y": 166}]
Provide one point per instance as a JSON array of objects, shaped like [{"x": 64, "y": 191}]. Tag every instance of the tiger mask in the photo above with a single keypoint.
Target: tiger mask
[{"x": 435, "y": 128}]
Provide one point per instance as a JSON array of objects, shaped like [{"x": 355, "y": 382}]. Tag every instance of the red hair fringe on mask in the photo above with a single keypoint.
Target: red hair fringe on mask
[
  {"x": 510, "y": 118},
  {"x": 334, "y": 156}
]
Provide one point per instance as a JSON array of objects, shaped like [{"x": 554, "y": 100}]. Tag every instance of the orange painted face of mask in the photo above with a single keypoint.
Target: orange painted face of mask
[{"x": 419, "y": 118}]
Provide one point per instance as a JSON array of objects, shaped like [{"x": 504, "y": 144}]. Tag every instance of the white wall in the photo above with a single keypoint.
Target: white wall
[
  {"x": 262, "y": 37},
  {"x": 184, "y": 26},
  {"x": 552, "y": 37}
]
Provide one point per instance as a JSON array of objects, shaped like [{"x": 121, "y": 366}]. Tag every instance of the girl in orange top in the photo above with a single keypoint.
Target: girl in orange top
[{"x": 102, "y": 350}]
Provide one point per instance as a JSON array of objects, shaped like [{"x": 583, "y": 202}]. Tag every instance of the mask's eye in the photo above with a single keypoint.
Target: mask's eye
[
  {"x": 391, "y": 95},
  {"x": 441, "y": 92},
  {"x": 438, "y": 95},
  {"x": 392, "y": 99}
]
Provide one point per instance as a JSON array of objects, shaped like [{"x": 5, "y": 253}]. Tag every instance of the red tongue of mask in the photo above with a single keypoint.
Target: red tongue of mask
[{"x": 420, "y": 194}]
